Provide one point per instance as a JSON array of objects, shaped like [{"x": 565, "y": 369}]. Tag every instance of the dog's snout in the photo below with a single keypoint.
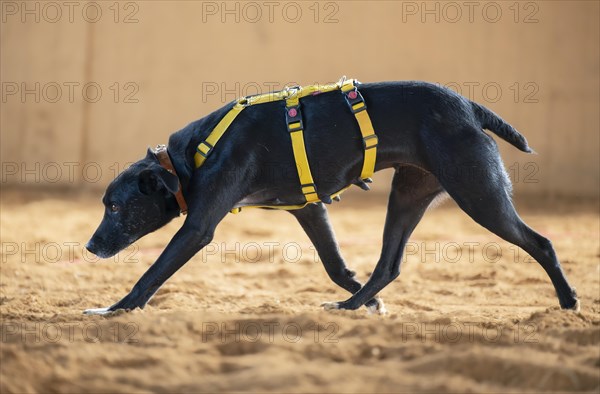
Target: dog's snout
[
  {"x": 91, "y": 246},
  {"x": 101, "y": 247}
]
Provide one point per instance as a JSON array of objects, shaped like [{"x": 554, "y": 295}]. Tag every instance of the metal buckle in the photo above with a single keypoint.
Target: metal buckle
[
  {"x": 289, "y": 92},
  {"x": 292, "y": 89},
  {"x": 159, "y": 148}
]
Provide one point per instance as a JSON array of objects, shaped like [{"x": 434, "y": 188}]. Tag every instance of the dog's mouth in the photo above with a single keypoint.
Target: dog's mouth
[
  {"x": 101, "y": 251},
  {"x": 105, "y": 249},
  {"x": 105, "y": 255}
]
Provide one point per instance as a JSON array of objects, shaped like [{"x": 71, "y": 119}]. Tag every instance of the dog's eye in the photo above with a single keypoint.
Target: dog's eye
[{"x": 114, "y": 208}]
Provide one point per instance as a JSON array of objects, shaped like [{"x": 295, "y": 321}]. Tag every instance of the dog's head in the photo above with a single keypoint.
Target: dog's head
[{"x": 137, "y": 202}]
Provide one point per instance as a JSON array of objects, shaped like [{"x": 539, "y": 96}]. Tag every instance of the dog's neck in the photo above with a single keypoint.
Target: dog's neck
[{"x": 175, "y": 202}]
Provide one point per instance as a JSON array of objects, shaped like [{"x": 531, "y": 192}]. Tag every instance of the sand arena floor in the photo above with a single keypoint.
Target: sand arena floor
[{"x": 469, "y": 312}]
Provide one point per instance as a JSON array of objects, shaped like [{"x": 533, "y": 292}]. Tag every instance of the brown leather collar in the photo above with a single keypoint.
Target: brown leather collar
[{"x": 165, "y": 161}]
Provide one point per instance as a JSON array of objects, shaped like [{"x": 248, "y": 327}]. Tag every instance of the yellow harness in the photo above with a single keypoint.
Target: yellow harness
[{"x": 295, "y": 126}]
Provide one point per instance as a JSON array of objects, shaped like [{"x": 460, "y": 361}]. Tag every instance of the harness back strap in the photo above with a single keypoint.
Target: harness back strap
[{"x": 205, "y": 147}]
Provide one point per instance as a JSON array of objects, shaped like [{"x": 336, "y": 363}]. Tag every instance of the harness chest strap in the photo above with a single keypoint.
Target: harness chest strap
[
  {"x": 293, "y": 119},
  {"x": 359, "y": 109},
  {"x": 295, "y": 127}
]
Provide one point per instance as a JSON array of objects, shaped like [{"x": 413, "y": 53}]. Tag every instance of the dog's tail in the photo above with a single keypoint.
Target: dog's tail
[{"x": 498, "y": 126}]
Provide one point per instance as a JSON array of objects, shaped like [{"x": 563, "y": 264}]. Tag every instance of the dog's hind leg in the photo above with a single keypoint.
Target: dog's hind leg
[
  {"x": 473, "y": 174},
  {"x": 413, "y": 189},
  {"x": 315, "y": 221}
]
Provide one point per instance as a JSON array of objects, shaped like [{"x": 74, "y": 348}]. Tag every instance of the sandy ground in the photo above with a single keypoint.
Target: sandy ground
[{"x": 469, "y": 313}]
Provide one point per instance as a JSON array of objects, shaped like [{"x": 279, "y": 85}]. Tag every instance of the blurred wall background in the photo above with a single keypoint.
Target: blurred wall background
[{"x": 87, "y": 86}]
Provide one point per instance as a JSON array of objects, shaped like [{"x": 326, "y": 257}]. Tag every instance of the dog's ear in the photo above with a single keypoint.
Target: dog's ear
[
  {"x": 150, "y": 154},
  {"x": 151, "y": 180}
]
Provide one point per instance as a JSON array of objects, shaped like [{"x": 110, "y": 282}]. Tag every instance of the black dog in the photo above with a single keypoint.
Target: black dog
[{"x": 432, "y": 136}]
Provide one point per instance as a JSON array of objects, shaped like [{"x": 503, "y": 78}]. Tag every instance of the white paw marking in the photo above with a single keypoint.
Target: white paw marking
[
  {"x": 97, "y": 311},
  {"x": 577, "y": 307},
  {"x": 378, "y": 309},
  {"x": 328, "y": 306}
]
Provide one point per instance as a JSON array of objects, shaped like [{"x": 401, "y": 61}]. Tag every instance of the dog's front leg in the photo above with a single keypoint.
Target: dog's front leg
[
  {"x": 206, "y": 210},
  {"x": 184, "y": 245}
]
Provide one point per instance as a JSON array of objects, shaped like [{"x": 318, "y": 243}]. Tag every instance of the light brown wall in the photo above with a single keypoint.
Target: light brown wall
[{"x": 171, "y": 55}]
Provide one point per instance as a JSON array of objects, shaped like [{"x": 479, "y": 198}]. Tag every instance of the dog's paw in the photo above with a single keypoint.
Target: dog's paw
[
  {"x": 577, "y": 306},
  {"x": 378, "y": 308},
  {"x": 102, "y": 311},
  {"x": 330, "y": 306}
]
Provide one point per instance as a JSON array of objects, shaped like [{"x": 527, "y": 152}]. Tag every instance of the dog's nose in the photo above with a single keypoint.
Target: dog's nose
[{"x": 91, "y": 247}]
